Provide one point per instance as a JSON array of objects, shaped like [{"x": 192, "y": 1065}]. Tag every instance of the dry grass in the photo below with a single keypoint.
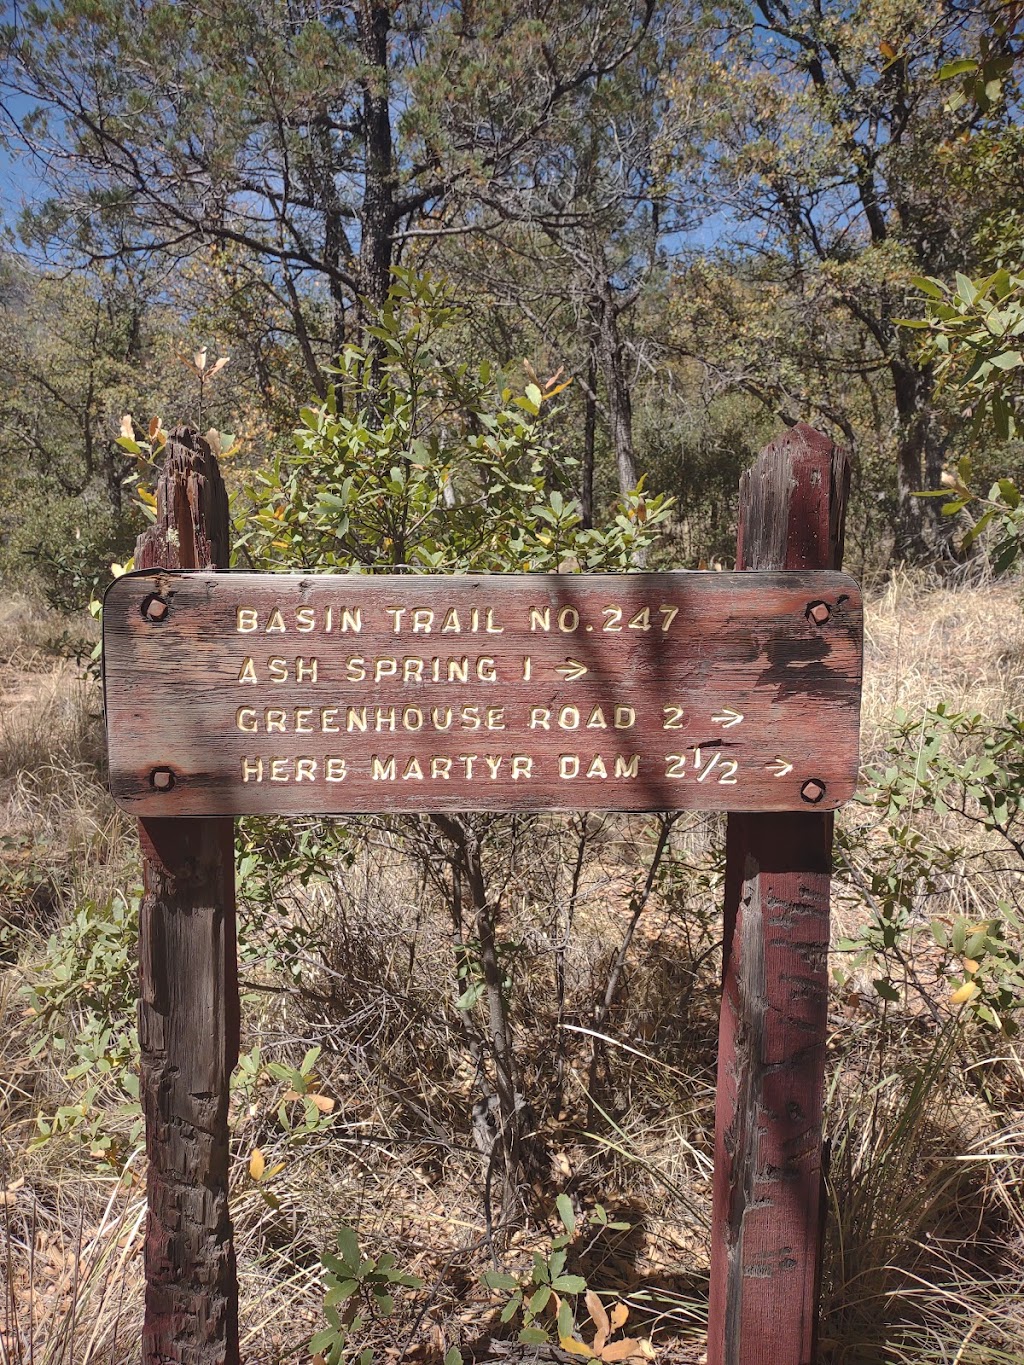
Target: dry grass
[
  {"x": 925, "y": 643},
  {"x": 927, "y": 1125}
]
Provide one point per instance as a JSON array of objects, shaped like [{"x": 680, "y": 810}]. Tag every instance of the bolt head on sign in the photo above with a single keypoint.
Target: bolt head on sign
[{"x": 242, "y": 693}]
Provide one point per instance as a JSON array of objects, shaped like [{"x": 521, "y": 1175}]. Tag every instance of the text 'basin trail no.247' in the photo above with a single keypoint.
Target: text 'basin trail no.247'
[{"x": 241, "y": 693}]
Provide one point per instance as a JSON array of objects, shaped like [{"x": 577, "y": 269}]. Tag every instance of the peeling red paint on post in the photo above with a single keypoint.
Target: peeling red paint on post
[{"x": 766, "y": 1219}]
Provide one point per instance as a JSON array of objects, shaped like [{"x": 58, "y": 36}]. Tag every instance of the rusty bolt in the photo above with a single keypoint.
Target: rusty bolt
[
  {"x": 162, "y": 779},
  {"x": 154, "y": 608},
  {"x": 813, "y": 790},
  {"x": 818, "y": 612}
]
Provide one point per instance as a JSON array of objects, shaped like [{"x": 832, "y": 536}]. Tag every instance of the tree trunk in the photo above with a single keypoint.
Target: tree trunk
[
  {"x": 620, "y": 406},
  {"x": 465, "y": 839},
  {"x": 920, "y": 450},
  {"x": 589, "y": 440},
  {"x": 376, "y": 249}
]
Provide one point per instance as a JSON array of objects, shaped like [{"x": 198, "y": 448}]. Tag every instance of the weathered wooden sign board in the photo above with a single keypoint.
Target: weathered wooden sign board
[{"x": 240, "y": 693}]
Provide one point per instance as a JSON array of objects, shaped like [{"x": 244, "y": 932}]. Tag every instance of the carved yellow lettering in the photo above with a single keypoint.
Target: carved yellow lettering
[
  {"x": 441, "y": 767},
  {"x": 597, "y": 720},
  {"x": 305, "y": 620},
  {"x": 245, "y": 720},
  {"x": 279, "y": 770},
  {"x": 384, "y": 718},
  {"x": 485, "y": 670},
  {"x": 382, "y": 770},
  {"x": 540, "y": 718},
  {"x": 246, "y": 620},
  {"x": 302, "y": 725},
  {"x": 328, "y": 720},
  {"x": 625, "y": 717},
  {"x": 384, "y": 668},
  {"x": 597, "y": 768},
  {"x": 275, "y": 625},
  {"x": 276, "y": 722},
  {"x": 305, "y": 770},
  {"x": 422, "y": 620},
  {"x": 412, "y": 718},
  {"x": 522, "y": 766},
  {"x": 569, "y": 717},
  {"x": 412, "y": 769},
  {"x": 355, "y": 719},
  {"x": 335, "y": 769},
  {"x": 451, "y": 622},
  {"x": 412, "y": 670},
  {"x": 248, "y": 672},
  {"x": 355, "y": 670},
  {"x": 495, "y": 717},
  {"x": 568, "y": 766},
  {"x": 568, "y": 620},
  {"x": 252, "y": 769},
  {"x": 305, "y": 670},
  {"x": 540, "y": 618},
  {"x": 626, "y": 767},
  {"x": 278, "y": 670}
]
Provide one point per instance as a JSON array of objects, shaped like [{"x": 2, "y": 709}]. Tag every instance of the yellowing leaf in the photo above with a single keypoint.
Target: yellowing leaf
[
  {"x": 219, "y": 364},
  {"x": 619, "y": 1315},
  {"x": 147, "y": 497},
  {"x": 575, "y": 1348},
  {"x": 199, "y": 359},
  {"x": 324, "y": 1103},
  {"x": 154, "y": 427},
  {"x": 600, "y": 1320},
  {"x": 257, "y": 1164},
  {"x": 887, "y": 50},
  {"x": 621, "y": 1350},
  {"x": 128, "y": 426},
  {"x": 965, "y": 992},
  {"x": 970, "y": 965}
]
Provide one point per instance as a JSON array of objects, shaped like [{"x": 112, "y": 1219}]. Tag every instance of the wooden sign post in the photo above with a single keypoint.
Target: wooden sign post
[
  {"x": 188, "y": 995},
  {"x": 234, "y": 693},
  {"x": 766, "y": 1216}
]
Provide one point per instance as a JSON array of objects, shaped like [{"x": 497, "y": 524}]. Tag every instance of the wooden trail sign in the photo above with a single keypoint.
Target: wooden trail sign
[
  {"x": 730, "y": 691},
  {"x": 240, "y": 693}
]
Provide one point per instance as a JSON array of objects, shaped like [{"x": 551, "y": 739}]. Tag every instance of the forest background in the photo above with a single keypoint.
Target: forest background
[{"x": 532, "y": 282}]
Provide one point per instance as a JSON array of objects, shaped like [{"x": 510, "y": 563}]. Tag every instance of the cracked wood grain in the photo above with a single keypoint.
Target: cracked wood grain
[
  {"x": 766, "y": 1219},
  {"x": 188, "y": 1006}
]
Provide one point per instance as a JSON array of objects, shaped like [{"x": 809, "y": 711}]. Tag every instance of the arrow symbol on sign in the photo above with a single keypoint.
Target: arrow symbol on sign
[
  {"x": 728, "y": 718},
  {"x": 779, "y": 767},
  {"x": 571, "y": 669}
]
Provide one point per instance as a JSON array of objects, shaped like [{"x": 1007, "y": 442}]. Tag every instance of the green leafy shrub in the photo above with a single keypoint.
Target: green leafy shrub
[
  {"x": 962, "y": 766},
  {"x": 415, "y": 461},
  {"x": 82, "y": 1000},
  {"x": 359, "y": 1288}
]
